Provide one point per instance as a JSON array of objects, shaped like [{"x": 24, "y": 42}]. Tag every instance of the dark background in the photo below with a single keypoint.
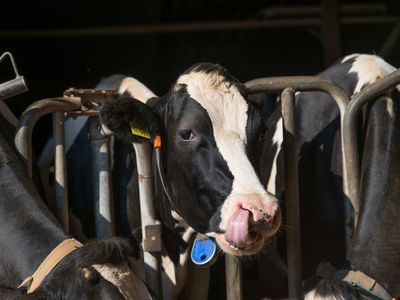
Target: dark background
[
  {"x": 62, "y": 44},
  {"x": 54, "y": 63}
]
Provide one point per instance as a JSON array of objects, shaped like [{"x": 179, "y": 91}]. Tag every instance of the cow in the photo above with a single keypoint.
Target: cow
[
  {"x": 96, "y": 270},
  {"x": 211, "y": 133},
  {"x": 372, "y": 268}
]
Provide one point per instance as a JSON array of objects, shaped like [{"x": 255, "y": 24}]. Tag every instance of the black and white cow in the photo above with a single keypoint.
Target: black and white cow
[
  {"x": 211, "y": 138},
  {"x": 211, "y": 141},
  {"x": 29, "y": 233}
]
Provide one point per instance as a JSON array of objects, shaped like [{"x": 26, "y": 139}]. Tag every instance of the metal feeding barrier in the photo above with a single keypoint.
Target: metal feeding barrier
[
  {"x": 86, "y": 103},
  {"x": 349, "y": 110}
]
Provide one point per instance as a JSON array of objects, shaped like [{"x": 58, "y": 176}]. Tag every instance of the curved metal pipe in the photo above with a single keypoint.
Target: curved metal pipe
[
  {"x": 312, "y": 83},
  {"x": 299, "y": 83},
  {"x": 290, "y": 85},
  {"x": 350, "y": 145},
  {"x": 23, "y": 136}
]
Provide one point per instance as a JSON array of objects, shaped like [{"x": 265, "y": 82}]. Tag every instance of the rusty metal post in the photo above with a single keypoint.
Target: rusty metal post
[
  {"x": 102, "y": 188},
  {"x": 233, "y": 274},
  {"x": 291, "y": 156},
  {"x": 151, "y": 226},
  {"x": 61, "y": 187}
]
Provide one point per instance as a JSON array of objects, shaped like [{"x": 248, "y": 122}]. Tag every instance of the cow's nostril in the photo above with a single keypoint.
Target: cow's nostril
[{"x": 261, "y": 225}]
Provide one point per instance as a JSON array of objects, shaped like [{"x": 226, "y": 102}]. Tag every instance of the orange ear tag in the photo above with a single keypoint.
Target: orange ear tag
[{"x": 157, "y": 142}]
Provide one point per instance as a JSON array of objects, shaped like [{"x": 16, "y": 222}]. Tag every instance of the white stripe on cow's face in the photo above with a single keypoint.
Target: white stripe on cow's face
[
  {"x": 369, "y": 69},
  {"x": 136, "y": 89},
  {"x": 277, "y": 141},
  {"x": 227, "y": 110}
]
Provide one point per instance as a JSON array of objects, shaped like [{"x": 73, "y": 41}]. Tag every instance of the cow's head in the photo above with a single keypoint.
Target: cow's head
[
  {"x": 97, "y": 270},
  {"x": 210, "y": 136}
]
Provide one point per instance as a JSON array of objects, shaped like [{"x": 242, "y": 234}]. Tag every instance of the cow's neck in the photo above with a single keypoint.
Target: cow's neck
[
  {"x": 375, "y": 249},
  {"x": 175, "y": 232},
  {"x": 28, "y": 231}
]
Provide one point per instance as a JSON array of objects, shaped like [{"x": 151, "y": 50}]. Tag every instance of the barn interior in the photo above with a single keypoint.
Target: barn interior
[{"x": 63, "y": 44}]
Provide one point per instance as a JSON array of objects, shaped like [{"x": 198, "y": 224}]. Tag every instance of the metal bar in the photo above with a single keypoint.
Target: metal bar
[
  {"x": 28, "y": 119},
  {"x": 188, "y": 27},
  {"x": 61, "y": 190},
  {"x": 291, "y": 155},
  {"x": 349, "y": 132},
  {"x": 151, "y": 226},
  {"x": 102, "y": 189},
  {"x": 233, "y": 274},
  {"x": 13, "y": 87},
  {"x": 314, "y": 83},
  {"x": 331, "y": 30},
  {"x": 299, "y": 83}
]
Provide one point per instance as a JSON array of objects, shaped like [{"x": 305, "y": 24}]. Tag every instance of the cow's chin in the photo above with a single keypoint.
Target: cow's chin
[{"x": 251, "y": 248}]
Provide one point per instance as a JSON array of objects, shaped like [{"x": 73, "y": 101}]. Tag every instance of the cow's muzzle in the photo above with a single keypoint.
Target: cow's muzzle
[{"x": 252, "y": 219}]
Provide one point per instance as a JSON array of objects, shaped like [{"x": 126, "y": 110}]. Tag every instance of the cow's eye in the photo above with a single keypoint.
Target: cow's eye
[{"x": 186, "y": 134}]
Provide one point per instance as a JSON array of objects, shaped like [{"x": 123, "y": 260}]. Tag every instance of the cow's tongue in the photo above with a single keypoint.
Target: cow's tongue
[{"x": 238, "y": 228}]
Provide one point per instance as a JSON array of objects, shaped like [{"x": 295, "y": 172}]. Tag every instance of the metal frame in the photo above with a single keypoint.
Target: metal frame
[
  {"x": 348, "y": 110},
  {"x": 84, "y": 103},
  {"x": 287, "y": 86}
]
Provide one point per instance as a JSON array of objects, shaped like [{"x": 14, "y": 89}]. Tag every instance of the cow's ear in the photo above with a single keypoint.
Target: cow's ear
[{"x": 130, "y": 119}]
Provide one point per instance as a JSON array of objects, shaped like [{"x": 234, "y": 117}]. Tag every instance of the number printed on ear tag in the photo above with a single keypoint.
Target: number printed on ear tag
[{"x": 204, "y": 251}]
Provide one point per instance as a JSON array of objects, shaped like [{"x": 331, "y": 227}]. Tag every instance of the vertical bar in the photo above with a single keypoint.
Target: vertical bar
[
  {"x": 151, "y": 226},
  {"x": 331, "y": 30},
  {"x": 102, "y": 188},
  {"x": 291, "y": 152},
  {"x": 61, "y": 188},
  {"x": 234, "y": 281}
]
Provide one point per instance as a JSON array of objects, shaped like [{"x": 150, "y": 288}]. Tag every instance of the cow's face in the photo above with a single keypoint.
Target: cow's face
[{"x": 210, "y": 132}]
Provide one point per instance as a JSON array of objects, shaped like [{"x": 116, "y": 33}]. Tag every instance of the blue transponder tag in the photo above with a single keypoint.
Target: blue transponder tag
[{"x": 204, "y": 252}]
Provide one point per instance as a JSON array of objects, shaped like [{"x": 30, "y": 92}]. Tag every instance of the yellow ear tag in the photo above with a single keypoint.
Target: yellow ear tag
[{"x": 139, "y": 132}]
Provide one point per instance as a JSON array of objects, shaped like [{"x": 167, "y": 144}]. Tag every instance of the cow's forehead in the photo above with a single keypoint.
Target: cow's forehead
[{"x": 220, "y": 97}]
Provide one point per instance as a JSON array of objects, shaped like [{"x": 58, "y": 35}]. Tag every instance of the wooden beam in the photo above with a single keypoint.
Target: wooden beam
[{"x": 331, "y": 30}]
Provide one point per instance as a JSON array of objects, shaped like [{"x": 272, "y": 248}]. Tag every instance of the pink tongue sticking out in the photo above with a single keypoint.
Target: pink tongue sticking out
[{"x": 238, "y": 228}]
